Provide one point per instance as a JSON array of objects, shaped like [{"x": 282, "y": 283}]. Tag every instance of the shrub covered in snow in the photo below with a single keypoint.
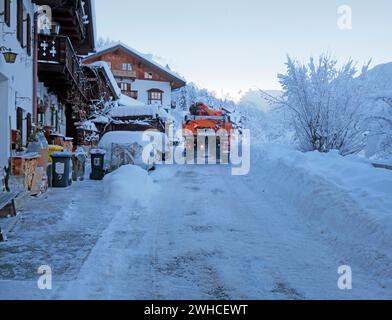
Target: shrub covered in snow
[
  {"x": 326, "y": 104},
  {"x": 379, "y": 111},
  {"x": 188, "y": 95},
  {"x": 268, "y": 123}
]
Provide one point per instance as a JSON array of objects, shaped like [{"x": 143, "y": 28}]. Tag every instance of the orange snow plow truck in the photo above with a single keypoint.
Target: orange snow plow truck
[{"x": 207, "y": 132}]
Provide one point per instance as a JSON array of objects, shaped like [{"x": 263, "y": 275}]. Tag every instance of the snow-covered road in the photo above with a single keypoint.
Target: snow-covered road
[{"x": 206, "y": 235}]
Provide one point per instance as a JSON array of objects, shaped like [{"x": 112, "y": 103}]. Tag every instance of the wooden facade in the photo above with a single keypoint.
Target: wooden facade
[
  {"x": 128, "y": 66},
  {"x": 59, "y": 65},
  {"x": 119, "y": 56}
]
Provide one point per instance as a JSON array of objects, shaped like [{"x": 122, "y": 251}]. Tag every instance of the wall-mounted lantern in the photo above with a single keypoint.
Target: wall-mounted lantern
[
  {"x": 55, "y": 30},
  {"x": 9, "y": 55}
]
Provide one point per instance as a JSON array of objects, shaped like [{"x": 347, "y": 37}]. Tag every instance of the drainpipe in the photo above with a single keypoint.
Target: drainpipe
[{"x": 35, "y": 69}]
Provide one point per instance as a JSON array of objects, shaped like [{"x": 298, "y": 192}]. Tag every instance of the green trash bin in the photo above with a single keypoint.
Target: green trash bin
[
  {"x": 61, "y": 169},
  {"x": 97, "y": 164}
]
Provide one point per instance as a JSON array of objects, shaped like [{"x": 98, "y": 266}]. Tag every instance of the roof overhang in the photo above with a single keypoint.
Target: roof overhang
[{"x": 176, "y": 81}]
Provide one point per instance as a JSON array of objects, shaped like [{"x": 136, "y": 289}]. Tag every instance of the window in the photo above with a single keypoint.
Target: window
[
  {"x": 53, "y": 117},
  {"x": 155, "y": 96},
  {"x": 109, "y": 64},
  {"x": 19, "y": 121},
  {"x": 19, "y": 27},
  {"x": 28, "y": 37},
  {"x": 148, "y": 75},
  {"x": 134, "y": 94},
  {"x": 29, "y": 126},
  {"x": 124, "y": 86},
  {"x": 7, "y": 12},
  {"x": 127, "y": 67},
  {"x": 41, "y": 118}
]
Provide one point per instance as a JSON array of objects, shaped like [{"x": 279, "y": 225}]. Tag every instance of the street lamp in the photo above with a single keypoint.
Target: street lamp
[{"x": 9, "y": 55}]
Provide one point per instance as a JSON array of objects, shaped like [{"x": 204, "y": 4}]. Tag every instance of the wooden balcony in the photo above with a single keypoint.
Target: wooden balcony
[
  {"x": 73, "y": 18},
  {"x": 124, "y": 74},
  {"x": 59, "y": 67}
]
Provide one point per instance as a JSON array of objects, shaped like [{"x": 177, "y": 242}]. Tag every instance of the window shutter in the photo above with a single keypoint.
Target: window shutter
[
  {"x": 19, "y": 27},
  {"x": 7, "y": 12},
  {"x": 19, "y": 121},
  {"x": 28, "y": 38},
  {"x": 29, "y": 127}
]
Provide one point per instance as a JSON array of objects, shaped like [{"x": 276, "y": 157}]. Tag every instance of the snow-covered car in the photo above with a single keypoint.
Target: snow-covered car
[{"x": 127, "y": 147}]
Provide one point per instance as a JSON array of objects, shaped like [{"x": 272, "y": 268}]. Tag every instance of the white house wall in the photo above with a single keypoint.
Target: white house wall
[
  {"x": 42, "y": 94},
  {"x": 142, "y": 87},
  {"x": 15, "y": 79}
]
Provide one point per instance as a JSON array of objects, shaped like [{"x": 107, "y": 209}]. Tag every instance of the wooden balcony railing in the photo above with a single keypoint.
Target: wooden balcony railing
[
  {"x": 58, "y": 50},
  {"x": 125, "y": 74}
]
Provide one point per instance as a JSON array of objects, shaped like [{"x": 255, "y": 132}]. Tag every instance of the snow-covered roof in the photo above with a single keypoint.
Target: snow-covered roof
[
  {"x": 140, "y": 55},
  {"x": 126, "y": 101},
  {"x": 129, "y": 107},
  {"x": 87, "y": 126},
  {"x": 105, "y": 66},
  {"x": 100, "y": 119},
  {"x": 133, "y": 111}
]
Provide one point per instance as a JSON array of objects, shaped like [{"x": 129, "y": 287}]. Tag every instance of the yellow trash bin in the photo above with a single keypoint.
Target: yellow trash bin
[{"x": 53, "y": 149}]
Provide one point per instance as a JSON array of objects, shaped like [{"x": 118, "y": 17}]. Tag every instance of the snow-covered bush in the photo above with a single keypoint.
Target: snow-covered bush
[
  {"x": 326, "y": 104},
  {"x": 268, "y": 123},
  {"x": 188, "y": 95},
  {"x": 379, "y": 111}
]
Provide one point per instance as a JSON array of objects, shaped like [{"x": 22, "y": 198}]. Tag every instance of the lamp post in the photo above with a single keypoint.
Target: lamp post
[{"x": 9, "y": 55}]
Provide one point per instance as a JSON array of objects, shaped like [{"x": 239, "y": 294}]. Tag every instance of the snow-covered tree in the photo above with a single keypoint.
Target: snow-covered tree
[
  {"x": 104, "y": 42},
  {"x": 267, "y": 122},
  {"x": 188, "y": 95},
  {"x": 325, "y": 103}
]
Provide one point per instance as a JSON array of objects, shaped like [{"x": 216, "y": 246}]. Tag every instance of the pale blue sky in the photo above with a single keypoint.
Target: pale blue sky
[{"x": 233, "y": 45}]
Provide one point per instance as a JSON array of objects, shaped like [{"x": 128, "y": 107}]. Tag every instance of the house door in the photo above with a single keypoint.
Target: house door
[{"x": 4, "y": 126}]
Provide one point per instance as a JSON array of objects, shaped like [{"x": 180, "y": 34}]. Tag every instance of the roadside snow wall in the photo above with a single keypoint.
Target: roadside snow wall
[{"x": 344, "y": 200}]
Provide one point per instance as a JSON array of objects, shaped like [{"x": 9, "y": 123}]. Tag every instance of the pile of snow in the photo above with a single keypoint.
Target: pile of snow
[
  {"x": 343, "y": 198},
  {"x": 128, "y": 185}
]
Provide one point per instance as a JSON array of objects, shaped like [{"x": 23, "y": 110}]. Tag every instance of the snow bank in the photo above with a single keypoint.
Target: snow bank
[
  {"x": 345, "y": 199},
  {"x": 128, "y": 185}
]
